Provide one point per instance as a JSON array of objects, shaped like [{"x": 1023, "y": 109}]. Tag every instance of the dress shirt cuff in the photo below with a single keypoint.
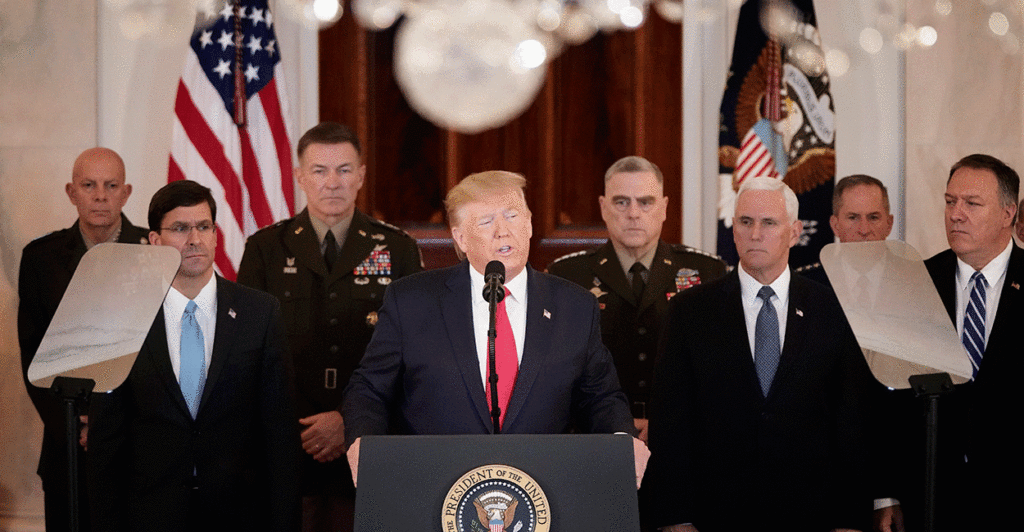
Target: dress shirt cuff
[{"x": 885, "y": 503}]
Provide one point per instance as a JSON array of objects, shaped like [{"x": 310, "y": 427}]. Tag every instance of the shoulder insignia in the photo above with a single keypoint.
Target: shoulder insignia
[
  {"x": 683, "y": 248},
  {"x": 386, "y": 225},
  {"x": 571, "y": 255},
  {"x": 808, "y": 267}
]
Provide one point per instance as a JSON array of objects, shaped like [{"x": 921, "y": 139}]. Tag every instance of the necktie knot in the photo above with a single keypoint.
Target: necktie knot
[
  {"x": 766, "y": 294},
  {"x": 978, "y": 277},
  {"x": 190, "y": 309}
]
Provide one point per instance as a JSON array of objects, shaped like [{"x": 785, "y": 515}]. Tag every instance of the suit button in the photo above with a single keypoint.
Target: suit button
[
  {"x": 334, "y": 321},
  {"x": 641, "y": 357},
  {"x": 641, "y": 331},
  {"x": 334, "y": 349},
  {"x": 333, "y": 295},
  {"x": 287, "y": 293},
  {"x": 642, "y": 384}
]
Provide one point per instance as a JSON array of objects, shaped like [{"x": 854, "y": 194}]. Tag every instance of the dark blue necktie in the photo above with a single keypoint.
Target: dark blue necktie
[
  {"x": 974, "y": 322},
  {"x": 766, "y": 340},
  {"x": 192, "y": 372}
]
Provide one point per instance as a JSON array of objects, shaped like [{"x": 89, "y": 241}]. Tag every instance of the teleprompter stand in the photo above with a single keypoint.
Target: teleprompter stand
[
  {"x": 75, "y": 394},
  {"x": 931, "y": 387}
]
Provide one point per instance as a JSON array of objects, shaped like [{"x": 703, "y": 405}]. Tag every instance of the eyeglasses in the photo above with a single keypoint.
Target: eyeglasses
[
  {"x": 183, "y": 229},
  {"x": 645, "y": 203}
]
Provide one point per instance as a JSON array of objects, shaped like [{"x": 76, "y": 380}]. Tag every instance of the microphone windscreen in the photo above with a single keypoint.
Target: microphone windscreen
[{"x": 495, "y": 267}]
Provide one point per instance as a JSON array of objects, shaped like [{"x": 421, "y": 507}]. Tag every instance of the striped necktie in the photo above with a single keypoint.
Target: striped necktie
[{"x": 974, "y": 322}]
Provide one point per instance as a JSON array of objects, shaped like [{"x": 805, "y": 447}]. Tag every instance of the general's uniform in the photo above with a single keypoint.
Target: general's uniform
[
  {"x": 329, "y": 317},
  {"x": 629, "y": 328},
  {"x": 47, "y": 265}
]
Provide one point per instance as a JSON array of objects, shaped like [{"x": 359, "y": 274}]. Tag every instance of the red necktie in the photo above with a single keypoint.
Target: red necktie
[{"x": 506, "y": 360}]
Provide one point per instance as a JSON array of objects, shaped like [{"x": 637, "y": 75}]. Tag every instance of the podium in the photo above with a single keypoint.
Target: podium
[{"x": 494, "y": 483}]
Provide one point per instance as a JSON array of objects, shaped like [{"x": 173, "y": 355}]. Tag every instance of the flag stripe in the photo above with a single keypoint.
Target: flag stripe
[{"x": 231, "y": 127}]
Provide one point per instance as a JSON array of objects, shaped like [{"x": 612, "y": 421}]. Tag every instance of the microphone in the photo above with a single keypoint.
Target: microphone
[{"x": 494, "y": 281}]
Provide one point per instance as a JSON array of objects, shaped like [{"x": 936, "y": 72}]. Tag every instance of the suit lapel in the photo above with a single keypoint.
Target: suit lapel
[
  {"x": 457, "y": 311},
  {"x": 300, "y": 240},
  {"x": 358, "y": 245},
  {"x": 536, "y": 344},
  {"x": 737, "y": 343},
  {"x": 796, "y": 332},
  {"x": 222, "y": 340},
  {"x": 156, "y": 349},
  {"x": 610, "y": 272},
  {"x": 1010, "y": 300},
  {"x": 661, "y": 268}
]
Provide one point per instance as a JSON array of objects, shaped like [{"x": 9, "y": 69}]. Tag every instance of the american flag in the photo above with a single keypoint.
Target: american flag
[{"x": 231, "y": 124}]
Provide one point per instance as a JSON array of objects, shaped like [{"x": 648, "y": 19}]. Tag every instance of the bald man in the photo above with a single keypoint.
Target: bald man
[{"x": 98, "y": 191}]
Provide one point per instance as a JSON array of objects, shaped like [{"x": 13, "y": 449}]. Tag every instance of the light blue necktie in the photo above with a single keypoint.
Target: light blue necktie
[
  {"x": 766, "y": 340},
  {"x": 974, "y": 322},
  {"x": 192, "y": 373}
]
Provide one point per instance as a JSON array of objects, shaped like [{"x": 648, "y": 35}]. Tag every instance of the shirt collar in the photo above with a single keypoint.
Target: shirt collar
[
  {"x": 750, "y": 286},
  {"x": 992, "y": 271},
  {"x": 516, "y": 285},
  {"x": 339, "y": 229},
  {"x": 175, "y": 302},
  {"x": 627, "y": 261}
]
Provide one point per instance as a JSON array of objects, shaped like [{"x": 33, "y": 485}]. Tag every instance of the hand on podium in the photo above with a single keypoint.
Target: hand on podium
[
  {"x": 353, "y": 460},
  {"x": 641, "y": 454}
]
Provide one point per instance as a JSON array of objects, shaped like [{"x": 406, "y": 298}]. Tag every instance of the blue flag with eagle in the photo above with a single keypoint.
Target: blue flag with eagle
[{"x": 778, "y": 120}]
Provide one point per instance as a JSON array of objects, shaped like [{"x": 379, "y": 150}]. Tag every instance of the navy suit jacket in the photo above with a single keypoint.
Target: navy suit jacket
[
  {"x": 421, "y": 371},
  {"x": 980, "y": 462},
  {"x": 723, "y": 456},
  {"x": 243, "y": 447}
]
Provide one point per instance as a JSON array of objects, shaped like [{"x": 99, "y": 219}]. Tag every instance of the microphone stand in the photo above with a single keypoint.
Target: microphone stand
[{"x": 492, "y": 333}]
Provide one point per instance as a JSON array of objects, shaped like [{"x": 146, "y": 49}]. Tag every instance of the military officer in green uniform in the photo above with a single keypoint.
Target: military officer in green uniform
[
  {"x": 329, "y": 266},
  {"x": 635, "y": 274}
]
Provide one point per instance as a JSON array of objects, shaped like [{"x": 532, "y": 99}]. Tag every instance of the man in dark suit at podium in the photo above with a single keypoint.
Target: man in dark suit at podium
[
  {"x": 757, "y": 421},
  {"x": 979, "y": 280},
  {"x": 202, "y": 435},
  {"x": 99, "y": 192},
  {"x": 425, "y": 368}
]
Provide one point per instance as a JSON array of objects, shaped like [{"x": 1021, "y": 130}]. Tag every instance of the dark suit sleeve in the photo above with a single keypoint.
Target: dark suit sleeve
[
  {"x": 600, "y": 403},
  {"x": 371, "y": 390},
  {"x": 33, "y": 320},
  {"x": 107, "y": 460},
  {"x": 252, "y": 269},
  {"x": 279, "y": 429},
  {"x": 667, "y": 494}
]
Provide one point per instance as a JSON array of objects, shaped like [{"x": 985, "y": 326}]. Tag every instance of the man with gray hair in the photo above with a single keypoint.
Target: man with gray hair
[
  {"x": 635, "y": 274},
  {"x": 758, "y": 417}
]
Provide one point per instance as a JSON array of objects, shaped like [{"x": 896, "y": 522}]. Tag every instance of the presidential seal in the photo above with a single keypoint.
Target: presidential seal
[{"x": 496, "y": 498}]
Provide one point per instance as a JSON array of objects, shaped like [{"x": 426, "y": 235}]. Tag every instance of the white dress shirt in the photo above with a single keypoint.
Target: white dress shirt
[
  {"x": 995, "y": 274},
  {"x": 515, "y": 306},
  {"x": 752, "y": 304},
  {"x": 206, "y": 315}
]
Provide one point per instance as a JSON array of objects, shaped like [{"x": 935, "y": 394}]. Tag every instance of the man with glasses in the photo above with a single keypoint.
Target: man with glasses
[
  {"x": 635, "y": 274},
  {"x": 202, "y": 433}
]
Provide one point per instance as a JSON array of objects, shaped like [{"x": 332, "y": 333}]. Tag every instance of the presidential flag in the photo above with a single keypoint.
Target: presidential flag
[
  {"x": 778, "y": 120},
  {"x": 231, "y": 124}
]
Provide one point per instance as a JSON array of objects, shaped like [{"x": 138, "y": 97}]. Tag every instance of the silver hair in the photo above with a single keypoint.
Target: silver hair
[{"x": 773, "y": 184}]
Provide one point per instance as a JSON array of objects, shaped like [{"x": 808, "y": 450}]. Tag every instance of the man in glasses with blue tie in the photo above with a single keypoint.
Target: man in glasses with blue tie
[
  {"x": 979, "y": 281},
  {"x": 202, "y": 434},
  {"x": 757, "y": 416}
]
